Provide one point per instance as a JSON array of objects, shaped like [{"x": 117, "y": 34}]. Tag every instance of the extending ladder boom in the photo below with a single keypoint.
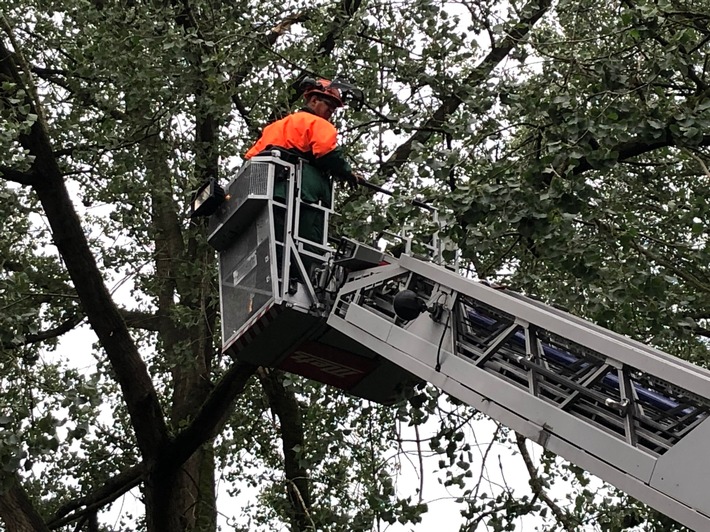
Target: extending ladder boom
[
  {"x": 353, "y": 317},
  {"x": 630, "y": 414}
]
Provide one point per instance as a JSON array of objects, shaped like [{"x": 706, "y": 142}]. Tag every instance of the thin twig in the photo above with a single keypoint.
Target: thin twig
[
  {"x": 567, "y": 521},
  {"x": 302, "y": 502}
]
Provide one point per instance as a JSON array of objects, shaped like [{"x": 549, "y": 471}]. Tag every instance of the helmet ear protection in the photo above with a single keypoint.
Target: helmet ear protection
[
  {"x": 308, "y": 83},
  {"x": 338, "y": 91},
  {"x": 352, "y": 96}
]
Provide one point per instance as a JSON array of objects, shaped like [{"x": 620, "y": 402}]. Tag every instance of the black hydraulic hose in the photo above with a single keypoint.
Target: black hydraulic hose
[{"x": 376, "y": 188}]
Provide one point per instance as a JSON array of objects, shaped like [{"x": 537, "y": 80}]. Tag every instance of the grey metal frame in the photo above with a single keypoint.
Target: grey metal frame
[
  {"x": 253, "y": 192},
  {"x": 631, "y": 414},
  {"x": 295, "y": 245},
  {"x": 434, "y": 249}
]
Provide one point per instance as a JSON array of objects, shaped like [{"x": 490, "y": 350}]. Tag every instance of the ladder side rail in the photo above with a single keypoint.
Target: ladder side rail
[
  {"x": 599, "y": 328},
  {"x": 559, "y": 376},
  {"x": 663, "y": 366},
  {"x": 571, "y": 428},
  {"x": 590, "y": 448},
  {"x": 370, "y": 277}
]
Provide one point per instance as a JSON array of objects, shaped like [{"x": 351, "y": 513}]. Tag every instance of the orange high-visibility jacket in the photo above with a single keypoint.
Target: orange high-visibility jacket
[
  {"x": 301, "y": 131},
  {"x": 309, "y": 135}
]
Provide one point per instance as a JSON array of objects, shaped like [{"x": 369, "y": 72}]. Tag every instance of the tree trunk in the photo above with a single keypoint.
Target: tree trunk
[{"x": 17, "y": 512}]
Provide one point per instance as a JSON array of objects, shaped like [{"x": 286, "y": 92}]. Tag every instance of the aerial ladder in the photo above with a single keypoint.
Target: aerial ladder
[{"x": 377, "y": 325}]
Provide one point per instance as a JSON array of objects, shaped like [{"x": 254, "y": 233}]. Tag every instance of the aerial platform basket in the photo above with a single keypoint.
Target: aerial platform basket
[{"x": 280, "y": 321}]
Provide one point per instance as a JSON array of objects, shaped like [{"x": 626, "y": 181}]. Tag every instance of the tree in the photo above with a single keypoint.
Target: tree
[{"x": 567, "y": 142}]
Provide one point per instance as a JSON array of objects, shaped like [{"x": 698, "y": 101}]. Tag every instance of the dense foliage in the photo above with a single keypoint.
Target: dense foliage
[{"x": 567, "y": 142}]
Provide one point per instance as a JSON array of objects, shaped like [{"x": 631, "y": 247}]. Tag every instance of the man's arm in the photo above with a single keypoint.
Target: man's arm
[
  {"x": 335, "y": 164},
  {"x": 328, "y": 156}
]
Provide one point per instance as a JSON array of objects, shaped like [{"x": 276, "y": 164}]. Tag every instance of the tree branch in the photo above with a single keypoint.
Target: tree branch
[
  {"x": 323, "y": 49},
  {"x": 80, "y": 94},
  {"x": 700, "y": 162},
  {"x": 137, "y": 319},
  {"x": 535, "y": 9},
  {"x": 23, "y": 178},
  {"x": 340, "y": 21},
  {"x": 205, "y": 425},
  {"x": 699, "y": 83},
  {"x": 108, "y": 492},
  {"x": 686, "y": 276},
  {"x": 653, "y": 257},
  {"x": 238, "y": 77},
  {"x": 567, "y": 521},
  {"x": 49, "y": 334},
  {"x": 209, "y": 420},
  {"x": 12, "y": 64},
  {"x": 634, "y": 148},
  {"x": 284, "y": 404}
]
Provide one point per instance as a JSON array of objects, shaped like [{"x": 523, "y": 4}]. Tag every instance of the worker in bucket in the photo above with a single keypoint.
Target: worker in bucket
[{"x": 308, "y": 134}]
